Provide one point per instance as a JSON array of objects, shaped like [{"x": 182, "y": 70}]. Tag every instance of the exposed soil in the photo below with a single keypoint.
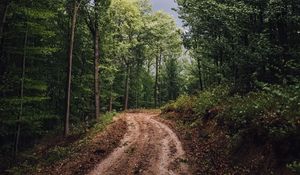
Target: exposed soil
[
  {"x": 136, "y": 142},
  {"x": 210, "y": 150},
  {"x": 90, "y": 155},
  {"x": 148, "y": 147},
  {"x": 206, "y": 147}
]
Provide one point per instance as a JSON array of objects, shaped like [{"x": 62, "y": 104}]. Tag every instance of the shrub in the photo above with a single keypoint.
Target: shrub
[
  {"x": 200, "y": 103},
  {"x": 183, "y": 104},
  {"x": 294, "y": 167},
  {"x": 269, "y": 116},
  {"x": 169, "y": 107},
  {"x": 210, "y": 98},
  {"x": 240, "y": 112},
  {"x": 274, "y": 110}
]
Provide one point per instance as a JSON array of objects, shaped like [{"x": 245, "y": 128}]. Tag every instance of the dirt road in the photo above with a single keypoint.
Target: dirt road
[{"x": 148, "y": 147}]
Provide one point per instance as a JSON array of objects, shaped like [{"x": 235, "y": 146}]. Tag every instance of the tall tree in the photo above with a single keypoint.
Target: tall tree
[
  {"x": 75, "y": 9},
  {"x": 4, "y": 8},
  {"x": 3, "y": 14},
  {"x": 166, "y": 41},
  {"x": 126, "y": 21},
  {"x": 18, "y": 129},
  {"x": 247, "y": 41},
  {"x": 93, "y": 23}
]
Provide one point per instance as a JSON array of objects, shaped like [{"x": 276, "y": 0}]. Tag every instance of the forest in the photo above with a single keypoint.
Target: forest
[{"x": 228, "y": 79}]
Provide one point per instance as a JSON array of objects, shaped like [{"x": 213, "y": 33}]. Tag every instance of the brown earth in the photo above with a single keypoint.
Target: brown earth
[
  {"x": 148, "y": 147},
  {"x": 210, "y": 150},
  {"x": 85, "y": 159},
  {"x": 137, "y": 142}
]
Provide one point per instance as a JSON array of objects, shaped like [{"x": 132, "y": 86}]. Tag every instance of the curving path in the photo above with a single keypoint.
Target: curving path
[{"x": 149, "y": 147}]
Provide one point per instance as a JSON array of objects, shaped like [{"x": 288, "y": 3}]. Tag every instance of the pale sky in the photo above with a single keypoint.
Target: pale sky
[{"x": 167, "y": 5}]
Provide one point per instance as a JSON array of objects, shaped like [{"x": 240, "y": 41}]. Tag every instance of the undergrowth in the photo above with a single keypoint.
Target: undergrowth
[
  {"x": 269, "y": 115},
  {"x": 35, "y": 159}
]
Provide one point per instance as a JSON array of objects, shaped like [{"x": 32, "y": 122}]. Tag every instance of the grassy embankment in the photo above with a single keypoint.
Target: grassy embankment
[
  {"x": 226, "y": 133},
  {"x": 77, "y": 153}
]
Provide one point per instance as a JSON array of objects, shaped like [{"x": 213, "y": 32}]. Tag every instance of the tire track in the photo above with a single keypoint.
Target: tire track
[{"x": 149, "y": 147}]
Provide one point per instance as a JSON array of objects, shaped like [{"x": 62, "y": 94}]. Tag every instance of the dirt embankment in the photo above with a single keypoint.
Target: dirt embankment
[
  {"x": 89, "y": 156},
  {"x": 211, "y": 150}
]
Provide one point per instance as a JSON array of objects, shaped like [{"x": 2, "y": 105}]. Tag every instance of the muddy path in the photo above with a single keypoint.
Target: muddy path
[{"x": 148, "y": 147}]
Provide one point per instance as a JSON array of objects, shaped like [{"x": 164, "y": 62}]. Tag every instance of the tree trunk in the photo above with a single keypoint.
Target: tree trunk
[
  {"x": 156, "y": 87},
  {"x": 3, "y": 19},
  {"x": 111, "y": 98},
  {"x": 127, "y": 87},
  {"x": 235, "y": 74},
  {"x": 69, "y": 71},
  {"x": 136, "y": 100},
  {"x": 96, "y": 60},
  {"x": 159, "y": 84},
  {"x": 18, "y": 130},
  {"x": 96, "y": 72},
  {"x": 156, "y": 82},
  {"x": 2, "y": 31},
  {"x": 200, "y": 73},
  {"x": 94, "y": 29}
]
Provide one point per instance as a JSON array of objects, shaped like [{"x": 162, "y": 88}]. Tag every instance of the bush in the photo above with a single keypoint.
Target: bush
[
  {"x": 200, "y": 103},
  {"x": 183, "y": 104},
  {"x": 294, "y": 167},
  {"x": 275, "y": 111},
  {"x": 270, "y": 116},
  {"x": 210, "y": 98}
]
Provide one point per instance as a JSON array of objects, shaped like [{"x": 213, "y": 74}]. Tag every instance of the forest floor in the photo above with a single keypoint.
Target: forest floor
[
  {"x": 150, "y": 143},
  {"x": 136, "y": 142}
]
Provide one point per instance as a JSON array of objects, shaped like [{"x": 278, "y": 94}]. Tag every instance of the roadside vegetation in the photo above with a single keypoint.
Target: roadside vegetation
[
  {"x": 261, "y": 128},
  {"x": 54, "y": 152},
  {"x": 240, "y": 114}
]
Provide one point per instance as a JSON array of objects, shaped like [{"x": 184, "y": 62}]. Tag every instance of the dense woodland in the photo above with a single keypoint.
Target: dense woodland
[
  {"x": 65, "y": 63},
  {"x": 68, "y": 61},
  {"x": 244, "y": 81}
]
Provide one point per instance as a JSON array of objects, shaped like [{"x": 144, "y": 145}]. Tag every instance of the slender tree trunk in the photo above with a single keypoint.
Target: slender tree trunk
[
  {"x": 69, "y": 71},
  {"x": 3, "y": 19},
  {"x": 96, "y": 61},
  {"x": 137, "y": 100},
  {"x": 111, "y": 98},
  {"x": 156, "y": 82},
  {"x": 18, "y": 130},
  {"x": 235, "y": 74},
  {"x": 159, "y": 84},
  {"x": 127, "y": 87},
  {"x": 156, "y": 87},
  {"x": 96, "y": 72},
  {"x": 2, "y": 31},
  {"x": 148, "y": 66},
  {"x": 200, "y": 73}
]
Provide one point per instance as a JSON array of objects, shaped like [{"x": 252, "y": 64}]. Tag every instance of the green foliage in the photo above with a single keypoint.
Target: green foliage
[
  {"x": 208, "y": 99},
  {"x": 274, "y": 111},
  {"x": 183, "y": 104},
  {"x": 21, "y": 169},
  {"x": 57, "y": 153},
  {"x": 242, "y": 41},
  {"x": 199, "y": 104},
  {"x": 38, "y": 33},
  {"x": 268, "y": 116},
  {"x": 294, "y": 167},
  {"x": 62, "y": 152},
  {"x": 105, "y": 120}
]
